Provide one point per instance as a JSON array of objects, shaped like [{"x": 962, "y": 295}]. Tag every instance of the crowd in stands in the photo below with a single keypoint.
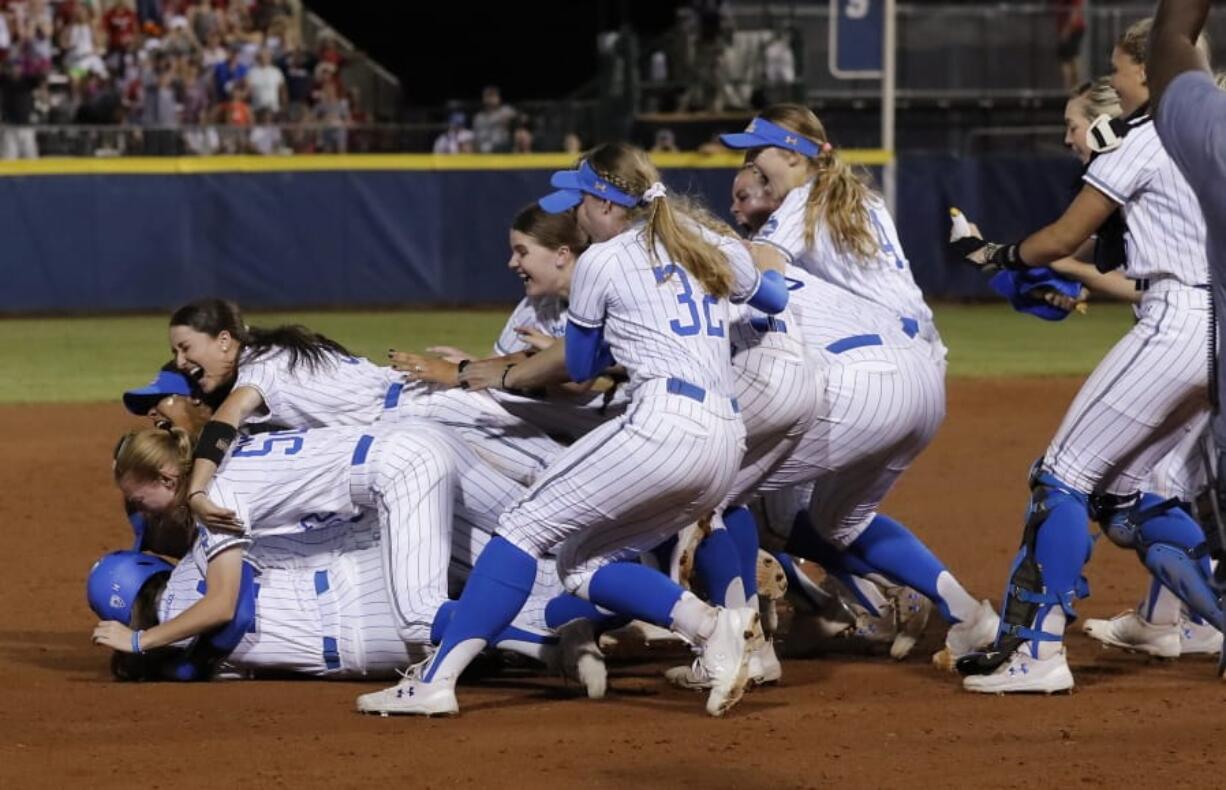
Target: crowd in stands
[{"x": 178, "y": 76}]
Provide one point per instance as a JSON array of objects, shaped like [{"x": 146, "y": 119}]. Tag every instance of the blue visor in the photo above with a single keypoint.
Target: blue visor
[
  {"x": 571, "y": 184},
  {"x": 761, "y": 133},
  {"x": 168, "y": 382}
]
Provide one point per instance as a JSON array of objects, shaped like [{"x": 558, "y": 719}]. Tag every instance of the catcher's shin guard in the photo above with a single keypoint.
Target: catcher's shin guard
[
  {"x": 1172, "y": 547},
  {"x": 1046, "y": 573}
]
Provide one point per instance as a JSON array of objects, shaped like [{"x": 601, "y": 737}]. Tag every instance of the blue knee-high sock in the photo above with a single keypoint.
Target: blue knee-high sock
[
  {"x": 635, "y": 591},
  {"x": 744, "y": 531},
  {"x": 566, "y": 608},
  {"x": 718, "y": 565},
  {"x": 804, "y": 542},
  {"x": 895, "y": 552},
  {"x": 496, "y": 590}
]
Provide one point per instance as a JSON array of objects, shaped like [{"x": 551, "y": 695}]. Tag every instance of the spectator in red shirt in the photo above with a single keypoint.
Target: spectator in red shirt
[
  {"x": 1071, "y": 19},
  {"x": 121, "y": 25}
]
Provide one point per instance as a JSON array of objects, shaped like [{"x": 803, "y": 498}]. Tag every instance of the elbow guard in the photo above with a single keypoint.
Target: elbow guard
[{"x": 772, "y": 294}]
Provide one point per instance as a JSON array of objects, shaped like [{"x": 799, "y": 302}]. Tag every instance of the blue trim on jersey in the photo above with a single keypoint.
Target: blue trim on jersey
[
  {"x": 910, "y": 326},
  {"x": 361, "y": 450},
  {"x": 587, "y": 355},
  {"x": 321, "y": 582},
  {"x": 331, "y": 653},
  {"x": 855, "y": 341},
  {"x": 392, "y": 398},
  {"x": 771, "y": 295}
]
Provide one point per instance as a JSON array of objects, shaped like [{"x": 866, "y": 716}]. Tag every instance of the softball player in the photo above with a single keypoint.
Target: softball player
[
  {"x": 875, "y": 349},
  {"x": 1130, "y": 412},
  {"x": 415, "y": 475},
  {"x": 651, "y": 294},
  {"x": 324, "y": 613},
  {"x": 544, "y": 248},
  {"x": 298, "y": 379}
]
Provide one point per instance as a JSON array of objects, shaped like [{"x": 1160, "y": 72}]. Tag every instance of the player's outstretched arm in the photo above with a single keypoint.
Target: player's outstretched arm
[
  {"x": 214, "y": 441},
  {"x": 1172, "y": 44},
  {"x": 223, "y": 579},
  {"x": 1112, "y": 284},
  {"x": 1061, "y": 239}
]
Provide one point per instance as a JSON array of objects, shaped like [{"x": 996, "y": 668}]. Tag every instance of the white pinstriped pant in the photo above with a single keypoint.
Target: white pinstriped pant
[
  {"x": 420, "y": 476},
  {"x": 1181, "y": 473},
  {"x": 883, "y": 405},
  {"x": 1134, "y": 408},
  {"x": 513, "y": 446},
  {"x": 630, "y": 484},
  {"x": 780, "y": 398}
]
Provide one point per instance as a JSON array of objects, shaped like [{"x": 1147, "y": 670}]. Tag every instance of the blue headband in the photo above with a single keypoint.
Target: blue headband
[
  {"x": 761, "y": 133},
  {"x": 571, "y": 184}
]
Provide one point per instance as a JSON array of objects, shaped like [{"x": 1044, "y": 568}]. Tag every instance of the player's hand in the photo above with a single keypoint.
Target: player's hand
[
  {"x": 450, "y": 353},
  {"x": 114, "y": 635},
  {"x": 967, "y": 245},
  {"x": 213, "y": 515},
  {"x": 1067, "y": 303},
  {"x": 961, "y": 227},
  {"x": 432, "y": 370},
  {"x": 535, "y": 338},
  {"x": 482, "y": 374}
]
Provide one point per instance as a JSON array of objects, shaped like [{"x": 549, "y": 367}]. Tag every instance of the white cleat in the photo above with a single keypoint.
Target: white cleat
[
  {"x": 911, "y": 613},
  {"x": 763, "y": 667},
  {"x": 1202, "y": 639},
  {"x": 1022, "y": 674},
  {"x": 413, "y": 696},
  {"x": 582, "y": 659},
  {"x": 1131, "y": 631},
  {"x": 725, "y": 657},
  {"x": 968, "y": 636}
]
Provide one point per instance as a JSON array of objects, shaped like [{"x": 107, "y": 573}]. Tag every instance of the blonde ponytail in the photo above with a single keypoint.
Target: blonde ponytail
[
  {"x": 671, "y": 223},
  {"x": 840, "y": 197}
]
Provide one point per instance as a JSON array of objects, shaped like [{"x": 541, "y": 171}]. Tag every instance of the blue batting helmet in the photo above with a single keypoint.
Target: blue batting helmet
[{"x": 116, "y": 580}]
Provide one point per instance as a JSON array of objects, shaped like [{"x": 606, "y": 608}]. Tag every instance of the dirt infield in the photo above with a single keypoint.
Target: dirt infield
[{"x": 863, "y": 722}]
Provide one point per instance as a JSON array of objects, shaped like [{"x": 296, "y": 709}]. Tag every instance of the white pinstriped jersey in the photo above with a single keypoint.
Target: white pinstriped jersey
[
  {"x": 565, "y": 415},
  {"x": 1166, "y": 229},
  {"x": 546, "y": 314},
  {"x": 278, "y": 483},
  {"x": 340, "y": 391},
  {"x": 658, "y": 320},
  {"x": 827, "y": 314},
  {"x": 885, "y": 279}
]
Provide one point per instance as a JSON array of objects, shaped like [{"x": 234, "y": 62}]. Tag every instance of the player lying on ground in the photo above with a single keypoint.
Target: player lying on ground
[
  {"x": 1130, "y": 413},
  {"x": 292, "y": 482}
]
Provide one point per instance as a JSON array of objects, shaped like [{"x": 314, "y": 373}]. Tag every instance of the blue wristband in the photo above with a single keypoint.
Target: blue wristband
[{"x": 136, "y": 643}]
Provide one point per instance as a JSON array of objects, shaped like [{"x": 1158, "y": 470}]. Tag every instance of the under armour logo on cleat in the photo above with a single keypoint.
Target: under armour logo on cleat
[{"x": 401, "y": 693}]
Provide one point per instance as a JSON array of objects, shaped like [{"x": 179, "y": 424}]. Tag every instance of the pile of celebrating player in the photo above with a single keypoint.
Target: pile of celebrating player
[{"x": 673, "y": 421}]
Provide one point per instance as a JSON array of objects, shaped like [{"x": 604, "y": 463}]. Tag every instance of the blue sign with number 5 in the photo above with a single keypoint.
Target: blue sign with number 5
[{"x": 857, "y": 28}]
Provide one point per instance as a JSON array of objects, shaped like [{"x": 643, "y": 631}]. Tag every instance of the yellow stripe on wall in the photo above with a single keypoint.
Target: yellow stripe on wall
[{"x": 185, "y": 165}]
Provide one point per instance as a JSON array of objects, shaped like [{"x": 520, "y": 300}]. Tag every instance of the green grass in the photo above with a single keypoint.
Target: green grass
[{"x": 95, "y": 359}]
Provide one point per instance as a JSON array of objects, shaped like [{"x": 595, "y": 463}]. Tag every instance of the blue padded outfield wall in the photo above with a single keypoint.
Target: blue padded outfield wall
[{"x": 284, "y": 237}]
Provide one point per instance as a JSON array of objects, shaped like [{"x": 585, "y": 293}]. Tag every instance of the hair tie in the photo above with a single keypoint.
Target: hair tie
[
  {"x": 827, "y": 147},
  {"x": 655, "y": 191}
]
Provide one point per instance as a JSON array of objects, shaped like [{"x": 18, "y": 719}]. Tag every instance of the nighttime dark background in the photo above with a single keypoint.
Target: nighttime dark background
[{"x": 537, "y": 49}]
